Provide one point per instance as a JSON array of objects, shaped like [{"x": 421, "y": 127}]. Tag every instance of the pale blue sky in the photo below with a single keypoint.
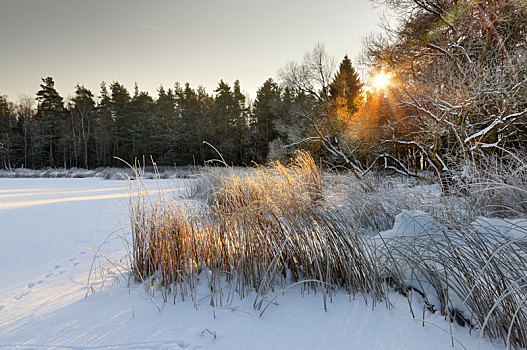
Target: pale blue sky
[{"x": 163, "y": 41}]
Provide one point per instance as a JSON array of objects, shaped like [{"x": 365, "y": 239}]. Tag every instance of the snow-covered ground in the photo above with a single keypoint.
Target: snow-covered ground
[{"x": 48, "y": 228}]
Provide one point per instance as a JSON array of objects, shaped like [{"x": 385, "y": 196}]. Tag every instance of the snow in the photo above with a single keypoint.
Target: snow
[
  {"x": 48, "y": 230},
  {"x": 410, "y": 223},
  {"x": 512, "y": 228}
]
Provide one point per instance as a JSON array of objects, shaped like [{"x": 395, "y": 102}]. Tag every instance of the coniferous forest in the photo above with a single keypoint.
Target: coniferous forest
[
  {"x": 437, "y": 98},
  {"x": 91, "y": 129},
  {"x": 181, "y": 125}
]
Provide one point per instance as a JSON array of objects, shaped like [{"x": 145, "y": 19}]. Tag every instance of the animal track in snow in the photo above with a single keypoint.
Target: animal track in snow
[
  {"x": 32, "y": 284},
  {"x": 22, "y": 295}
]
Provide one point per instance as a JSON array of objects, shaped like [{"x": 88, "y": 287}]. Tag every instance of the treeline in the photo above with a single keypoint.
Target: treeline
[
  {"x": 89, "y": 132},
  {"x": 454, "y": 94},
  {"x": 181, "y": 125}
]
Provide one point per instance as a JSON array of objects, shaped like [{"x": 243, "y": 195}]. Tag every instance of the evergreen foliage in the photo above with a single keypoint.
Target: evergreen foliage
[
  {"x": 178, "y": 127},
  {"x": 345, "y": 89},
  {"x": 175, "y": 128}
]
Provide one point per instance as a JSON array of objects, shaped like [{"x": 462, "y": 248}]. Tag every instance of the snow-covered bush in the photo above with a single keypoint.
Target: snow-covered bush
[
  {"x": 267, "y": 228},
  {"x": 497, "y": 186},
  {"x": 475, "y": 274}
]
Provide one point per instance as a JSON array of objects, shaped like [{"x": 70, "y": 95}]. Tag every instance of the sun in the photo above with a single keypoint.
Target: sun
[{"x": 381, "y": 80}]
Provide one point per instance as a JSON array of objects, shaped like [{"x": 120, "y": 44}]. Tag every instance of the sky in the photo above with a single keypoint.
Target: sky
[{"x": 159, "y": 42}]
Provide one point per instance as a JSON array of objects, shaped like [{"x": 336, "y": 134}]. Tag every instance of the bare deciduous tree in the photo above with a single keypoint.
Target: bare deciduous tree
[
  {"x": 310, "y": 81},
  {"x": 461, "y": 79}
]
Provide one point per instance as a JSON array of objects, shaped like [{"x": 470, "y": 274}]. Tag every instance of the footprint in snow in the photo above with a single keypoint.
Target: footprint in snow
[
  {"x": 49, "y": 275},
  {"x": 183, "y": 344},
  {"x": 57, "y": 267},
  {"x": 32, "y": 284},
  {"x": 75, "y": 264},
  {"x": 22, "y": 295}
]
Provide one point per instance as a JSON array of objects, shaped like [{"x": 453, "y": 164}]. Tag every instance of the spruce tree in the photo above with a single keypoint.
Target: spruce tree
[
  {"x": 345, "y": 89},
  {"x": 7, "y": 133},
  {"x": 104, "y": 128},
  {"x": 224, "y": 121},
  {"x": 25, "y": 130},
  {"x": 142, "y": 138},
  {"x": 165, "y": 126},
  {"x": 120, "y": 99},
  {"x": 186, "y": 142}
]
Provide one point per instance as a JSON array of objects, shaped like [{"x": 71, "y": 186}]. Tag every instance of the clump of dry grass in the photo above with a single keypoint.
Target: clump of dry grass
[
  {"x": 258, "y": 230},
  {"x": 263, "y": 229},
  {"x": 473, "y": 274},
  {"x": 275, "y": 189},
  {"x": 498, "y": 185}
]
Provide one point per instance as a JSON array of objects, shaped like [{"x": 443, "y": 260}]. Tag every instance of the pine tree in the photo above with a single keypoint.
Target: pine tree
[
  {"x": 50, "y": 115},
  {"x": 345, "y": 89}
]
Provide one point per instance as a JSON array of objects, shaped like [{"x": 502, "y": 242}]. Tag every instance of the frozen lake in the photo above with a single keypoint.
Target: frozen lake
[{"x": 45, "y": 221}]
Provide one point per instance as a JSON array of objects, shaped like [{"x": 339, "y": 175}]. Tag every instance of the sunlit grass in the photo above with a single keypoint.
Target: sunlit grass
[{"x": 259, "y": 230}]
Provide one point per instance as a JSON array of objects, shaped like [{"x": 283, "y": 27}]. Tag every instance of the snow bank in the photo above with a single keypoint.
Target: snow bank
[{"x": 105, "y": 173}]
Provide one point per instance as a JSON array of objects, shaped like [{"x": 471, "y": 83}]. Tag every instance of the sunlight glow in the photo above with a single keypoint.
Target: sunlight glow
[
  {"x": 380, "y": 80},
  {"x": 62, "y": 196}
]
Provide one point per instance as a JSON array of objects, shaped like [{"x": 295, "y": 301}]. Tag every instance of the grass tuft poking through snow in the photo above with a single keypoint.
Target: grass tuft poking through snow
[
  {"x": 260, "y": 231},
  {"x": 498, "y": 185},
  {"x": 474, "y": 274}
]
